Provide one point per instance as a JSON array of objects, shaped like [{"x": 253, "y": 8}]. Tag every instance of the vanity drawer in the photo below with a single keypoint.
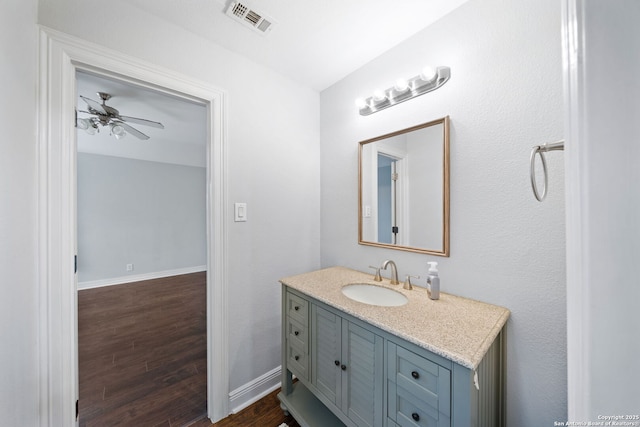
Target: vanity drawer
[
  {"x": 298, "y": 334},
  {"x": 297, "y": 308},
  {"x": 297, "y": 360},
  {"x": 419, "y": 389},
  {"x": 410, "y": 411}
]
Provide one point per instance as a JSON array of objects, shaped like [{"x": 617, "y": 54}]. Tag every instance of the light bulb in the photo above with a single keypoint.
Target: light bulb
[
  {"x": 91, "y": 130},
  {"x": 82, "y": 124},
  {"x": 428, "y": 74},
  {"x": 118, "y": 131},
  {"x": 361, "y": 103},
  {"x": 379, "y": 95},
  {"x": 401, "y": 85}
]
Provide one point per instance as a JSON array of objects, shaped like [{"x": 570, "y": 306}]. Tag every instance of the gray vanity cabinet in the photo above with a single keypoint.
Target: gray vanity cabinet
[
  {"x": 354, "y": 374},
  {"x": 347, "y": 367}
]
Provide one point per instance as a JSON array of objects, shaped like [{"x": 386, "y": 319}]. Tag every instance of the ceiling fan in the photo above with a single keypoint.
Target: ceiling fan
[{"x": 106, "y": 116}]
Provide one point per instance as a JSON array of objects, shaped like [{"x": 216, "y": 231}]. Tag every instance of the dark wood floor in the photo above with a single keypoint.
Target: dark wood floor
[
  {"x": 142, "y": 353},
  {"x": 264, "y": 413}
]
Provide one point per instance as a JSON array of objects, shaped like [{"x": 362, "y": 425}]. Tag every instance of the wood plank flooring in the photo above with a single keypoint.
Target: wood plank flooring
[
  {"x": 264, "y": 413},
  {"x": 142, "y": 353}
]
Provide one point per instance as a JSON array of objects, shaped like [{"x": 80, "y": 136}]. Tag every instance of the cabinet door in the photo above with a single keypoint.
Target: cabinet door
[
  {"x": 326, "y": 352},
  {"x": 362, "y": 380}
]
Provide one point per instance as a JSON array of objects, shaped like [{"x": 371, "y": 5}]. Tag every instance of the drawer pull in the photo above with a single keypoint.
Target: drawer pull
[
  {"x": 296, "y": 357},
  {"x": 343, "y": 367},
  {"x": 296, "y": 308},
  {"x": 296, "y": 333},
  {"x": 415, "y": 375},
  {"x": 337, "y": 362},
  {"x": 415, "y": 416}
]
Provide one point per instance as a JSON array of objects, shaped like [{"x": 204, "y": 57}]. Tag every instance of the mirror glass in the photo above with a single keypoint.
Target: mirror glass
[{"x": 404, "y": 189}]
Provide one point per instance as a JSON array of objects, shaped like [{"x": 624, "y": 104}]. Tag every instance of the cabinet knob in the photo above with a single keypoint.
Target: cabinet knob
[
  {"x": 337, "y": 362},
  {"x": 296, "y": 308},
  {"x": 343, "y": 367},
  {"x": 415, "y": 375},
  {"x": 296, "y": 357},
  {"x": 296, "y": 333},
  {"x": 415, "y": 416}
]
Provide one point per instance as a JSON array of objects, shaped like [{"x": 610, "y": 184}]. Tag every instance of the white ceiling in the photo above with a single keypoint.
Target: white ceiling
[{"x": 314, "y": 42}]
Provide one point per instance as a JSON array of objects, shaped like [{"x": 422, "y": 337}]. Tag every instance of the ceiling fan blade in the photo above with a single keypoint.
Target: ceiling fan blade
[
  {"x": 93, "y": 105},
  {"x": 133, "y": 131},
  {"x": 144, "y": 122}
]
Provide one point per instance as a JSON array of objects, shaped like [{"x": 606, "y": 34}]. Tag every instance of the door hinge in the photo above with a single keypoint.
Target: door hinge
[
  {"x": 75, "y": 264},
  {"x": 77, "y": 409},
  {"x": 395, "y": 230}
]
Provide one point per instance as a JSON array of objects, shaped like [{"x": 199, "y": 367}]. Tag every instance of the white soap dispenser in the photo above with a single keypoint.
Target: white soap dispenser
[{"x": 433, "y": 281}]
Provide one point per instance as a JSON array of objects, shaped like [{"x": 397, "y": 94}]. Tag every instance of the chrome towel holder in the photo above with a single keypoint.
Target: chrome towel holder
[{"x": 541, "y": 149}]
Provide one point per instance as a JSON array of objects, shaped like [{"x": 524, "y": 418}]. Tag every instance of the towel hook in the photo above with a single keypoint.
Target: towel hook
[{"x": 541, "y": 149}]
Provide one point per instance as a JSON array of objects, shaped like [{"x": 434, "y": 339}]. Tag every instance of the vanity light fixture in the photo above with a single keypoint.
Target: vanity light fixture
[{"x": 429, "y": 79}]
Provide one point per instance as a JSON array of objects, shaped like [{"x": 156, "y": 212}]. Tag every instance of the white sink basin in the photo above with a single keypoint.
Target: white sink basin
[{"x": 374, "y": 295}]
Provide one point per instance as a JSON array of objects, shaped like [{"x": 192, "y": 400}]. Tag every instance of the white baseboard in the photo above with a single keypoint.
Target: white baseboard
[
  {"x": 254, "y": 390},
  {"x": 139, "y": 277}
]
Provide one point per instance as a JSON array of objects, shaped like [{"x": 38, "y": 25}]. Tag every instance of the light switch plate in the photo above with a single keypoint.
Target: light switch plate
[{"x": 240, "y": 212}]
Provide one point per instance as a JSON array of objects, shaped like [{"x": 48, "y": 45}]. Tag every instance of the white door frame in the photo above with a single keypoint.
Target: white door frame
[
  {"x": 402, "y": 196},
  {"x": 60, "y": 57},
  {"x": 602, "y": 238}
]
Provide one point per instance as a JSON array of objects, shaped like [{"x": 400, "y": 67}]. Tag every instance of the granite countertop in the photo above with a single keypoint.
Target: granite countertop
[{"x": 459, "y": 329}]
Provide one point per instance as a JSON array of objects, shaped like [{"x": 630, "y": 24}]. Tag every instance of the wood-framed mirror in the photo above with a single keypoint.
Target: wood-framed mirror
[{"x": 403, "y": 189}]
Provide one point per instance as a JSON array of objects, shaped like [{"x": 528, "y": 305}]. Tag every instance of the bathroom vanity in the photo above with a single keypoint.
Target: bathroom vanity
[{"x": 424, "y": 363}]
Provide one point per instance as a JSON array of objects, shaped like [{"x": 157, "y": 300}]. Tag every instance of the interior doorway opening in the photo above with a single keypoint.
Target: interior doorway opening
[
  {"x": 142, "y": 251},
  {"x": 61, "y": 56}
]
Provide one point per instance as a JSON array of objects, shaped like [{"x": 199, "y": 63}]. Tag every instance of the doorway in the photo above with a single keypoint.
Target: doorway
[
  {"x": 387, "y": 206},
  {"x": 141, "y": 218},
  {"x": 61, "y": 57},
  {"x": 390, "y": 194}
]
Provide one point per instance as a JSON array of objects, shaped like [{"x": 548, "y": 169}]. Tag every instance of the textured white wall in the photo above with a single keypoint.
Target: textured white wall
[
  {"x": 504, "y": 96},
  {"x": 273, "y": 151},
  {"x": 149, "y": 214},
  {"x": 18, "y": 286}
]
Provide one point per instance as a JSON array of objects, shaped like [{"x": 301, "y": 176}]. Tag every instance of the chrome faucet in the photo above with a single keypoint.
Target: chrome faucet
[{"x": 394, "y": 271}]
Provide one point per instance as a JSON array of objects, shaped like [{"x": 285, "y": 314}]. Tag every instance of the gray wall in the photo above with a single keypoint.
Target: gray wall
[
  {"x": 504, "y": 96},
  {"x": 149, "y": 214},
  {"x": 425, "y": 201}
]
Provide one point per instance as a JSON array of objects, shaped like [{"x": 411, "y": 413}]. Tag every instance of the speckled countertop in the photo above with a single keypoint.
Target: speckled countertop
[{"x": 459, "y": 329}]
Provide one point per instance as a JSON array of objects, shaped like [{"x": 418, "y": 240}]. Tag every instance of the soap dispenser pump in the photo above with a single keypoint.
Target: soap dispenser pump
[{"x": 433, "y": 281}]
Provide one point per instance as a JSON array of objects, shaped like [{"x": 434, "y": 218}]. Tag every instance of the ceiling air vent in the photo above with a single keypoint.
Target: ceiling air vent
[{"x": 245, "y": 15}]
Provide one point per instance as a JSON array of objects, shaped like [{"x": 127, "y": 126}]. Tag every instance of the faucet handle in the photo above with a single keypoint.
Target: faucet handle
[
  {"x": 378, "y": 278},
  {"x": 407, "y": 281}
]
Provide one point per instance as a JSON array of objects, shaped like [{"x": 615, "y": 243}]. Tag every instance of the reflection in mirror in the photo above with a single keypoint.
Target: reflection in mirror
[{"x": 404, "y": 189}]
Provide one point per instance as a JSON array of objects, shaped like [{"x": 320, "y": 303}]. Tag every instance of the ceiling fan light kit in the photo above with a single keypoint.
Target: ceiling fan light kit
[{"x": 103, "y": 115}]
